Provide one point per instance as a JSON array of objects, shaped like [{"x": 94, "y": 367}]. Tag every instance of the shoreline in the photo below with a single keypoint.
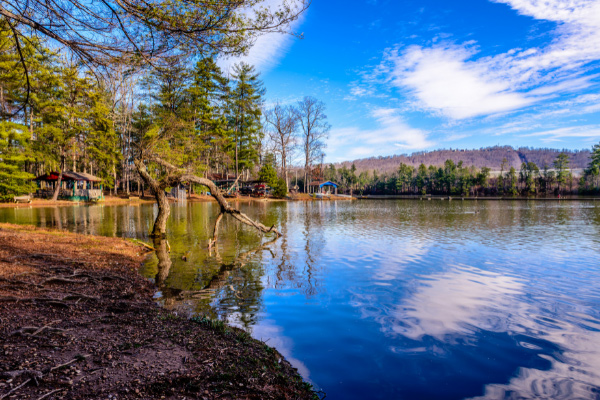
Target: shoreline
[
  {"x": 79, "y": 320},
  {"x": 471, "y": 198},
  {"x": 109, "y": 200},
  {"x": 195, "y": 198}
]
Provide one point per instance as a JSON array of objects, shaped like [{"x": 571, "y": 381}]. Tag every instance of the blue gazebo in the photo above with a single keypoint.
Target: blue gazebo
[{"x": 320, "y": 185}]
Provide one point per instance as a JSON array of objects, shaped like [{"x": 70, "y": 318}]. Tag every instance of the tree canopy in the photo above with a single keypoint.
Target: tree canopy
[{"x": 139, "y": 31}]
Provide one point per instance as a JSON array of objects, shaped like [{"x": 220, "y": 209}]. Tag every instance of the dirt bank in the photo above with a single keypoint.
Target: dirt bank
[
  {"x": 78, "y": 322},
  {"x": 108, "y": 200}
]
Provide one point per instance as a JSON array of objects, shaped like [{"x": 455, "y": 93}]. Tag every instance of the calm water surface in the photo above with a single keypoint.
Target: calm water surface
[{"x": 390, "y": 299}]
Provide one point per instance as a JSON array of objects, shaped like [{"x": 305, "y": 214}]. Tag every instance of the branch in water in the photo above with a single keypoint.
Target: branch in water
[{"x": 216, "y": 193}]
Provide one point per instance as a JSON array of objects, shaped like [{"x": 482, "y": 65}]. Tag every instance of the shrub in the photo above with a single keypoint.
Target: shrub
[{"x": 279, "y": 189}]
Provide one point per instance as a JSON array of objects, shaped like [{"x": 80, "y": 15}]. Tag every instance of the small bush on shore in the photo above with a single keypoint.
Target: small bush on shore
[{"x": 279, "y": 189}]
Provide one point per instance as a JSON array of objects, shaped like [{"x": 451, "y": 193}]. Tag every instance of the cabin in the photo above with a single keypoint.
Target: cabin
[
  {"x": 323, "y": 187},
  {"x": 75, "y": 186},
  {"x": 178, "y": 193}
]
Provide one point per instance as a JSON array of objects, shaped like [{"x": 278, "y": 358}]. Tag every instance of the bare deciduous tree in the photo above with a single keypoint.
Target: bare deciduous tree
[
  {"x": 315, "y": 128},
  {"x": 282, "y": 122}
]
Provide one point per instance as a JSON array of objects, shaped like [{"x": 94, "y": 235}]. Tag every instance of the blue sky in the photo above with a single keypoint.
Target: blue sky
[{"x": 405, "y": 76}]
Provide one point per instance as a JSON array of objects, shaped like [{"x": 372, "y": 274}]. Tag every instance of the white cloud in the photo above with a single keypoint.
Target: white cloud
[
  {"x": 568, "y": 85},
  {"x": 454, "y": 302},
  {"x": 270, "y": 48},
  {"x": 357, "y": 90},
  {"x": 586, "y": 131},
  {"x": 443, "y": 81},
  {"x": 449, "y": 79},
  {"x": 267, "y": 330},
  {"x": 393, "y": 134}
]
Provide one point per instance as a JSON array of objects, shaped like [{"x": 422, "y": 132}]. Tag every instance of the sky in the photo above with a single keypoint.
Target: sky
[{"x": 400, "y": 76}]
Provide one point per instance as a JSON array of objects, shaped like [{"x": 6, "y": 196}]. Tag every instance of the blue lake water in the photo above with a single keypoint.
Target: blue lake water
[{"x": 390, "y": 299}]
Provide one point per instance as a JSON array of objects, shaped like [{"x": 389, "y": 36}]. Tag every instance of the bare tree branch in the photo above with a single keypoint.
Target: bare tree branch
[{"x": 226, "y": 208}]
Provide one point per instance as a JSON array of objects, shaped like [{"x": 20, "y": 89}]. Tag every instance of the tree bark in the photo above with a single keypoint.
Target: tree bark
[
  {"x": 60, "y": 174},
  {"x": 178, "y": 176},
  {"x": 164, "y": 209},
  {"x": 225, "y": 207},
  {"x": 212, "y": 242},
  {"x": 215, "y": 192}
]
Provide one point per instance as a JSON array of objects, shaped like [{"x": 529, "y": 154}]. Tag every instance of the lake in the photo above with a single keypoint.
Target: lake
[{"x": 389, "y": 299}]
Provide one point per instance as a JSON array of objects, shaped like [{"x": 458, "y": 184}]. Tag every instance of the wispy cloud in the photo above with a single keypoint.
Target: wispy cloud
[
  {"x": 591, "y": 132},
  {"x": 392, "y": 135},
  {"x": 443, "y": 81},
  {"x": 449, "y": 79},
  {"x": 268, "y": 49}
]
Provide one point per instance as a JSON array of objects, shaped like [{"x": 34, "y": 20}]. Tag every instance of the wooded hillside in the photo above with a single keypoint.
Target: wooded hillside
[{"x": 486, "y": 157}]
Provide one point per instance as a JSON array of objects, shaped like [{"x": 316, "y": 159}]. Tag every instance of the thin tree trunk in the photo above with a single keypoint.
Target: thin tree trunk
[
  {"x": 114, "y": 179},
  {"x": 60, "y": 175},
  {"x": 31, "y": 122},
  {"x": 285, "y": 171}
]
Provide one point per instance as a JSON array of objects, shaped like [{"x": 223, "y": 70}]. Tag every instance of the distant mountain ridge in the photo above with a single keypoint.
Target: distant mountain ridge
[{"x": 485, "y": 157}]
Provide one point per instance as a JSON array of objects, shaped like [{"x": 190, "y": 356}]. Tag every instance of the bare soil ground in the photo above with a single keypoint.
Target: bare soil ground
[
  {"x": 108, "y": 200},
  {"x": 78, "y": 322}
]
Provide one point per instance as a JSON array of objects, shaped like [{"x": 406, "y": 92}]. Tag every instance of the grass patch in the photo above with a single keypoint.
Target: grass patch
[{"x": 213, "y": 324}]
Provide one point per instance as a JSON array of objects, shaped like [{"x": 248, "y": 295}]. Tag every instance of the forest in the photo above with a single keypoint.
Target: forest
[
  {"x": 461, "y": 179},
  {"x": 57, "y": 115},
  {"x": 156, "y": 120}
]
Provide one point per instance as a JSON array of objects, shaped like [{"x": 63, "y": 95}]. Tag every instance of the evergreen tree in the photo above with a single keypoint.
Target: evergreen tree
[
  {"x": 245, "y": 112},
  {"x": 528, "y": 175},
  {"x": 483, "y": 177},
  {"x": 501, "y": 183},
  {"x": 63, "y": 119},
  {"x": 267, "y": 172},
  {"x": 593, "y": 169},
  {"x": 208, "y": 94},
  {"x": 14, "y": 153},
  {"x": 561, "y": 165},
  {"x": 511, "y": 177},
  {"x": 102, "y": 143},
  {"x": 421, "y": 179}
]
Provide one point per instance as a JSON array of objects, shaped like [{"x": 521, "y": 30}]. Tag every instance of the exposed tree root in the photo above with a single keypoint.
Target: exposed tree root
[
  {"x": 17, "y": 282},
  {"x": 58, "y": 279},
  {"x": 78, "y": 358},
  {"x": 34, "y": 330},
  {"x": 15, "y": 374},
  {"x": 35, "y": 375},
  {"x": 78, "y": 296},
  {"x": 50, "y": 393},
  {"x": 15, "y": 389},
  {"x": 47, "y": 300}
]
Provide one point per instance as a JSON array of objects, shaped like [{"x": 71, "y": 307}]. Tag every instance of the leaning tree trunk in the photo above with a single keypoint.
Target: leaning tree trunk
[
  {"x": 177, "y": 176},
  {"x": 183, "y": 176},
  {"x": 160, "y": 224},
  {"x": 226, "y": 208},
  {"x": 164, "y": 209}
]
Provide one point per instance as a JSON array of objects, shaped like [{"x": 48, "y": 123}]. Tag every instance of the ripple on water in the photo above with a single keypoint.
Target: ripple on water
[{"x": 394, "y": 299}]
